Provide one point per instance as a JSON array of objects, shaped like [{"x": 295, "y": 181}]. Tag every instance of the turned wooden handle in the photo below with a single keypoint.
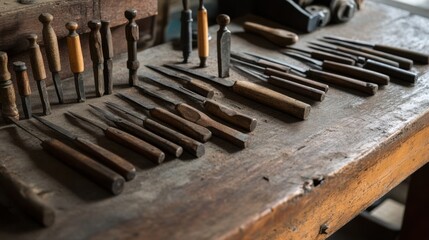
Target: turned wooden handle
[
  {"x": 404, "y": 63},
  {"x": 95, "y": 44},
  {"x": 190, "y": 145},
  {"x": 413, "y": 55},
  {"x": 272, "y": 98},
  {"x": 368, "y": 56},
  {"x": 36, "y": 59},
  {"x": 149, "y": 151},
  {"x": 4, "y": 70},
  {"x": 7, "y": 91},
  {"x": 238, "y": 119},
  {"x": 51, "y": 42},
  {"x": 330, "y": 57},
  {"x": 74, "y": 48},
  {"x": 191, "y": 129},
  {"x": 300, "y": 89},
  {"x": 26, "y": 199},
  {"x": 203, "y": 32},
  {"x": 22, "y": 79},
  {"x": 392, "y": 72},
  {"x": 107, "y": 158},
  {"x": 298, "y": 79},
  {"x": 107, "y": 42},
  {"x": 231, "y": 135},
  {"x": 199, "y": 88},
  {"x": 98, "y": 173},
  {"x": 278, "y": 36}
]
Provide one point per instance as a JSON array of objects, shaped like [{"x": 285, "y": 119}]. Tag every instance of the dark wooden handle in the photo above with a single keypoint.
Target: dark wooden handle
[
  {"x": 51, "y": 43},
  {"x": 22, "y": 79},
  {"x": 276, "y": 66},
  {"x": 98, "y": 173},
  {"x": 77, "y": 64},
  {"x": 7, "y": 91},
  {"x": 273, "y": 99},
  {"x": 36, "y": 59},
  {"x": 369, "y": 88},
  {"x": 190, "y": 145},
  {"x": 199, "y": 88},
  {"x": 231, "y": 135},
  {"x": 191, "y": 129},
  {"x": 26, "y": 199},
  {"x": 404, "y": 63},
  {"x": 356, "y": 72},
  {"x": 392, "y": 72},
  {"x": 151, "y": 138},
  {"x": 413, "y": 55},
  {"x": 238, "y": 119},
  {"x": 300, "y": 89},
  {"x": 95, "y": 44},
  {"x": 106, "y": 36},
  {"x": 107, "y": 158},
  {"x": 369, "y": 56},
  {"x": 280, "y": 37},
  {"x": 330, "y": 57},
  {"x": 297, "y": 79},
  {"x": 149, "y": 151}
]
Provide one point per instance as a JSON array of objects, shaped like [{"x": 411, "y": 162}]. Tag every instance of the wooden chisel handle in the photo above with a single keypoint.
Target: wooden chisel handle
[
  {"x": 272, "y": 98},
  {"x": 199, "y": 88},
  {"x": 26, "y": 199},
  {"x": 238, "y": 119},
  {"x": 149, "y": 151},
  {"x": 368, "y": 56},
  {"x": 77, "y": 64},
  {"x": 278, "y": 36},
  {"x": 356, "y": 72},
  {"x": 107, "y": 158},
  {"x": 231, "y": 135},
  {"x": 413, "y": 55},
  {"x": 203, "y": 34},
  {"x": 404, "y": 63},
  {"x": 191, "y": 129},
  {"x": 312, "y": 93},
  {"x": 190, "y": 145},
  {"x": 100, "y": 174},
  {"x": 392, "y": 72},
  {"x": 51, "y": 43},
  {"x": 297, "y": 79},
  {"x": 369, "y": 88},
  {"x": 322, "y": 56}
]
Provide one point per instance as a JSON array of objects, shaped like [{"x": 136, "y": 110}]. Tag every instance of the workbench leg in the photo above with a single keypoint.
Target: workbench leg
[{"x": 416, "y": 218}]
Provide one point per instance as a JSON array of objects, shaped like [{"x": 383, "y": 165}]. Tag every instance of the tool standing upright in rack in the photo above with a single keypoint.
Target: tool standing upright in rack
[
  {"x": 76, "y": 60},
  {"x": 223, "y": 46},
  {"x": 7, "y": 92},
  {"x": 203, "y": 34},
  {"x": 24, "y": 89},
  {"x": 96, "y": 50},
  {"x": 132, "y": 36},
  {"x": 107, "y": 43}
]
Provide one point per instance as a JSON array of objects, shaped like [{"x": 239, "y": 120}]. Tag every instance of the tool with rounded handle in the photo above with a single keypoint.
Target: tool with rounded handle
[
  {"x": 24, "y": 88},
  {"x": 132, "y": 36},
  {"x": 7, "y": 91},
  {"x": 107, "y": 43},
  {"x": 278, "y": 36},
  {"x": 77, "y": 65},
  {"x": 96, "y": 51},
  {"x": 203, "y": 34}
]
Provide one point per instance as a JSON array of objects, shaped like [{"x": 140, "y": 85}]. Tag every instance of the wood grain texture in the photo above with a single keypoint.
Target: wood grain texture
[
  {"x": 50, "y": 42},
  {"x": 7, "y": 91},
  {"x": 37, "y": 64},
  {"x": 280, "y": 37},
  {"x": 199, "y": 88},
  {"x": 74, "y": 46}
]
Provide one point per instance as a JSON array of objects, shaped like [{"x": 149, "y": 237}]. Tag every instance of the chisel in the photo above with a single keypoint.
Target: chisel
[
  {"x": 107, "y": 43},
  {"x": 132, "y": 35},
  {"x": 7, "y": 91},
  {"x": 322, "y": 56},
  {"x": 258, "y": 61},
  {"x": 203, "y": 34},
  {"x": 24, "y": 88},
  {"x": 104, "y": 156},
  {"x": 96, "y": 52},
  {"x": 186, "y": 31},
  {"x": 77, "y": 65},
  {"x": 358, "y": 60}
]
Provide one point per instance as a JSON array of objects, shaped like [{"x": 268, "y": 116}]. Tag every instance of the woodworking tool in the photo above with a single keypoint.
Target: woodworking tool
[
  {"x": 52, "y": 53},
  {"x": 223, "y": 45},
  {"x": 280, "y": 37},
  {"x": 369, "y": 88},
  {"x": 39, "y": 73},
  {"x": 319, "y": 55},
  {"x": 85, "y": 165},
  {"x": 77, "y": 65},
  {"x": 344, "y": 69},
  {"x": 203, "y": 34},
  {"x": 107, "y": 44},
  {"x": 231, "y": 135},
  {"x": 357, "y": 59},
  {"x": 190, "y": 145},
  {"x": 188, "y": 82},
  {"x": 96, "y": 51},
  {"x": 23, "y": 196},
  {"x": 186, "y": 31},
  {"x": 404, "y": 63},
  {"x": 138, "y": 131},
  {"x": 7, "y": 91},
  {"x": 189, "y": 128},
  {"x": 258, "y": 61},
  {"x": 219, "y": 110},
  {"x": 152, "y": 153},
  {"x": 104, "y": 156},
  {"x": 406, "y": 53},
  {"x": 132, "y": 36},
  {"x": 24, "y": 88},
  {"x": 257, "y": 93}
]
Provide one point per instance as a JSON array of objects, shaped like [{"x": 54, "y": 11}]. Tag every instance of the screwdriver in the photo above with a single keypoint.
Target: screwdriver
[
  {"x": 104, "y": 156},
  {"x": 141, "y": 133},
  {"x": 190, "y": 145},
  {"x": 85, "y": 165},
  {"x": 231, "y": 135},
  {"x": 203, "y": 34},
  {"x": 189, "y": 128},
  {"x": 76, "y": 59},
  {"x": 152, "y": 153},
  {"x": 24, "y": 88},
  {"x": 7, "y": 91},
  {"x": 96, "y": 51},
  {"x": 217, "y": 109}
]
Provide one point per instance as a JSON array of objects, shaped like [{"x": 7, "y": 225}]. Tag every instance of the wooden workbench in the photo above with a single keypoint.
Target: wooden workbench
[{"x": 295, "y": 177}]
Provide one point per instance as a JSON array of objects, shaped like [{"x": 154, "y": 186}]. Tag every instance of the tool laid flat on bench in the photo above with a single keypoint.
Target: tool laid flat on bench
[
  {"x": 231, "y": 135},
  {"x": 257, "y": 93},
  {"x": 104, "y": 156},
  {"x": 225, "y": 113},
  {"x": 260, "y": 62},
  {"x": 280, "y": 37},
  {"x": 321, "y": 48},
  {"x": 322, "y": 56}
]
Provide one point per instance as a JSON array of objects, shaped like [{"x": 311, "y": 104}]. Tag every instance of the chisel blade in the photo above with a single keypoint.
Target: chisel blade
[
  {"x": 80, "y": 89},
  {"x": 44, "y": 98},
  {"x": 157, "y": 95},
  {"x": 56, "y": 128},
  {"x": 58, "y": 86},
  {"x": 109, "y": 116},
  {"x": 170, "y": 73},
  {"x": 136, "y": 101},
  {"x": 26, "y": 106},
  {"x": 223, "y": 82},
  {"x": 127, "y": 111}
]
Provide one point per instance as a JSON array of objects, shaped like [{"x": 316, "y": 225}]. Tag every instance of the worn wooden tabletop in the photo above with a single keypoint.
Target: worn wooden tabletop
[{"x": 296, "y": 177}]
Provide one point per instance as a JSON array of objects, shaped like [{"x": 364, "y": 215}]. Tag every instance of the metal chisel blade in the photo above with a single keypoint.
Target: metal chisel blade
[
  {"x": 136, "y": 101},
  {"x": 44, "y": 98},
  {"x": 159, "y": 96},
  {"x": 26, "y": 106},
  {"x": 127, "y": 111},
  {"x": 56, "y": 128},
  {"x": 80, "y": 89},
  {"x": 58, "y": 87},
  {"x": 106, "y": 114},
  {"x": 223, "y": 82},
  {"x": 298, "y": 69},
  {"x": 169, "y": 73}
]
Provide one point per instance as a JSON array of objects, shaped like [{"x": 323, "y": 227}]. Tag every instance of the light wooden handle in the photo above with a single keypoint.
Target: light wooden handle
[
  {"x": 203, "y": 33},
  {"x": 36, "y": 59},
  {"x": 273, "y": 99},
  {"x": 22, "y": 79},
  {"x": 98, "y": 173},
  {"x": 51, "y": 42},
  {"x": 107, "y": 158},
  {"x": 74, "y": 48},
  {"x": 7, "y": 91},
  {"x": 413, "y": 55},
  {"x": 4, "y": 71},
  {"x": 312, "y": 93},
  {"x": 199, "y": 88},
  {"x": 278, "y": 36}
]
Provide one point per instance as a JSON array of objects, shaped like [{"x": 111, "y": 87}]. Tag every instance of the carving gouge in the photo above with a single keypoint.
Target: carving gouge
[
  {"x": 406, "y": 53},
  {"x": 189, "y": 83},
  {"x": 257, "y": 93},
  {"x": 96, "y": 51},
  {"x": 24, "y": 88},
  {"x": 189, "y": 128},
  {"x": 85, "y": 165},
  {"x": 277, "y": 36},
  {"x": 259, "y": 62},
  {"x": 404, "y": 63},
  {"x": 141, "y": 133},
  {"x": 107, "y": 44},
  {"x": 190, "y": 145},
  {"x": 217, "y": 109},
  {"x": 104, "y": 156},
  {"x": 76, "y": 59},
  {"x": 324, "y": 56},
  {"x": 147, "y": 150},
  {"x": 231, "y": 135}
]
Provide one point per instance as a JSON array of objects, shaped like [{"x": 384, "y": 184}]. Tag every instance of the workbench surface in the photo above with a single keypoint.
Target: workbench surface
[{"x": 295, "y": 177}]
